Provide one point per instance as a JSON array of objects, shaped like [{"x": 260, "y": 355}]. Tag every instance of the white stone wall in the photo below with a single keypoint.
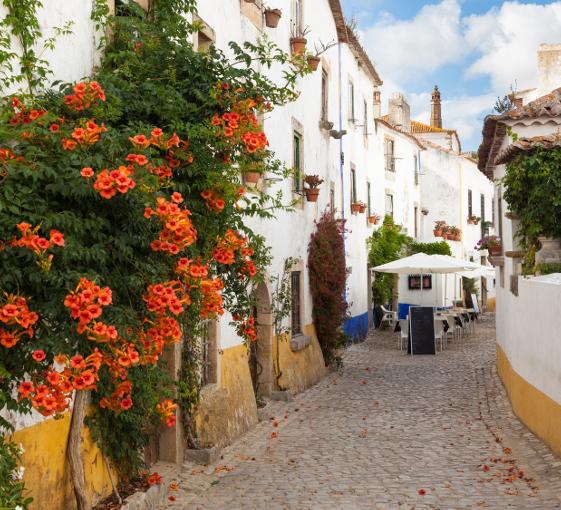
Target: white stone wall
[{"x": 74, "y": 55}]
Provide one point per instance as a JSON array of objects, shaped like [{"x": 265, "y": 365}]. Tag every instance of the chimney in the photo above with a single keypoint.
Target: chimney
[
  {"x": 549, "y": 67},
  {"x": 436, "y": 109},
  {"x": 399, "y": 112},
  {"x": 517, "y": 101},
  {"x": 377, "y": 104}
]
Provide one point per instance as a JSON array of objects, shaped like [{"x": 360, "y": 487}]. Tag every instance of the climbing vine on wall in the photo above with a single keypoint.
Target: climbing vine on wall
[{"x": 122, "y": 224}]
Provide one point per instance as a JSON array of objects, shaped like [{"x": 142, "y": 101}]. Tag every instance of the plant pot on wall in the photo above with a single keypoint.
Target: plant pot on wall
[
  {"x": 355, "y": 208},
  {"x": 313, "y": 62},
  {"x": 437, "y": 232},
  {"x": 251, "y": 178},
  {"x": 495, "y": 250},
  {"x": 272, "y": 17},
  {"x": 373, "y": 220},
  {"x": 298, "y": 45},
  {"x": 312, "y": 194}
]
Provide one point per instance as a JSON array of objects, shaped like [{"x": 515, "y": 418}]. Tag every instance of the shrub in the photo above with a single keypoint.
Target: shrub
[
  {"x": 436, "y": 248},
  {"x": 327, "y": 273}
]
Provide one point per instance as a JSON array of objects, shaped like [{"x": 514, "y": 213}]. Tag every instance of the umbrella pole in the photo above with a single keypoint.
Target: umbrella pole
[{"x": 422, "y": 285}]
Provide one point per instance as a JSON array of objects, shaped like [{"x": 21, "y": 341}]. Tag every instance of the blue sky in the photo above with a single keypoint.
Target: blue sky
[{"x": 475, "y": 50}]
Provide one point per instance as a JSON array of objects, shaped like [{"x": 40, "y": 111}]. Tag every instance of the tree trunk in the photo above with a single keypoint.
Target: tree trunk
[{"x": 81, "y": 401}]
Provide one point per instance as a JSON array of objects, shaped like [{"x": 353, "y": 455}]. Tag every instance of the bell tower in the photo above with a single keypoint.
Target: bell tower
[{"x": 436, "y": 109}]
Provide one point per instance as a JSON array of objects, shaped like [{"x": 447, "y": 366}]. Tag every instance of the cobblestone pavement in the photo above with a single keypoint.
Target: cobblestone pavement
[{"x": 388, "y": 431}]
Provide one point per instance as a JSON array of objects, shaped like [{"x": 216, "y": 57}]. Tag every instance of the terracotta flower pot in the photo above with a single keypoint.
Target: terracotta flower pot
[
  {"x": 355, "y": 208},
  {"x": 298, "y": 45},
  {"x": 312, "y": 194},
  {"x": 437, "y": 232},
  {"x": 470, "y": 221},
  {"x": 251, "y": 177},
  {"x": 362, "y": 209},
  {"x": 313, "y": 62},
  {"x": 445, "y": 235},
  {"x": 272, "y": 17},
  {"x": 373, "y": 220},
  {"x": 495, "y": 250}
]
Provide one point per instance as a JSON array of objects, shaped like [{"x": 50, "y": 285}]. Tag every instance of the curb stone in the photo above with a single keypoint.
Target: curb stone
[{"x": 156, "y": 495}]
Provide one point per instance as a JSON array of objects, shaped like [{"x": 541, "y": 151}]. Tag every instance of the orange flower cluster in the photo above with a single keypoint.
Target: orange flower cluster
[
  {"x": 22, "y": 115},
  {"x": 178, "y": 231},
  {"x": 109, "y": 182},
  {"x": 195, "y": 276},
  {"x": 85, "y": 94},
  {"x": 242, "y": 126},
  {"x": 165, "y": 330},
  {"x": 213, "y": 201},
  {"x": 16, "y": 314},
  {"x": 86, "y": 302},
  {"x": 31, "y": 240},
  {"x": 7, "y": 155},
  {"x": 84, "y": 136},
  {"x": 226, "y": 248},
  {"x": 166, "y": 410},
  {"x": 169, "y": 296},
  {"x": 246, "y": 327},
  {"x": 52, "y": 393}
]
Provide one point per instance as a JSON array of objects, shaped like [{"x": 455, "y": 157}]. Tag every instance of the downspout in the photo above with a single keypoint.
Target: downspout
[
  {"x": 461, "y": 224},
  {"x": 341, "y": 163}
]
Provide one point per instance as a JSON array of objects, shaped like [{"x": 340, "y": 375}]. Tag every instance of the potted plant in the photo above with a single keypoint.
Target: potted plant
[
  {"x": 439, "y": 228},
  {"x": 491, "y": 243},
  {"x": 272, "y": 17},
  {"x": 298, "y": 41},
  {"x": 358, "y": 207},
  {"x": 362, "y": 207},
  {"x": 373, "y": 219},
  {"x": 313, "y": 61},
  {"x": 454, "y": 234},
  {"x": 252, "y": 174},
  {"x": 312, "y": 191},
  {"x": 474, "y": 220}
]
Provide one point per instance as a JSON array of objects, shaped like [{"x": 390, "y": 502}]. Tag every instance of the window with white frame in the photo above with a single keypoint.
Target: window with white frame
[
  {"x": 389, "y": 155},
  {"x": 351, "y": 101},
  {"x": 416, "y": 170},
  {"x": 297, "y": 18},
  {"x": 389, "y": 204},
  {"x": 353, "y": 185},
  {"x": 296, "y": 303},
  {"x": 324, "y": 96}
]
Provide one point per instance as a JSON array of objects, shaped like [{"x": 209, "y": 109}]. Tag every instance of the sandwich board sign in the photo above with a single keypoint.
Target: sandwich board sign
[
  {"x": 475, "y": 304},
  {"x": 421, "y": 330}
]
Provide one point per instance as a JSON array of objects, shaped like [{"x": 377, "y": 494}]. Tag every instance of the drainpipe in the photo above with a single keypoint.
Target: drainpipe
[
  {"x": 341, "y": 164},
  {"x": 461, "y": 223}
]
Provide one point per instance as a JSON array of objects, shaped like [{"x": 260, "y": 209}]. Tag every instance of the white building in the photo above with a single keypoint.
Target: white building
[
  {"x": 528, "y": 319},
  {"x": 434, "y": 181}
]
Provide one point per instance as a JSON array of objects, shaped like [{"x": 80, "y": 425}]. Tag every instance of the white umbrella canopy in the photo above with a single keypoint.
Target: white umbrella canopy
[{"x": 424, "y": 264}]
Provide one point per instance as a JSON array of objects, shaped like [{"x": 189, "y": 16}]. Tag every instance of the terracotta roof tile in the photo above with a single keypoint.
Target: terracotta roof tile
[
  {"x": 494, "y": 129},
  {"x": 527, "y": 144}
]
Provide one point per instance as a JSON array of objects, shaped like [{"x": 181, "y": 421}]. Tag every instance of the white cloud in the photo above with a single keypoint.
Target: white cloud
[
  {"x": 406, "y": 49},
  {"x": 506, "y": 41},
  {"x": 500, "y": 45}
]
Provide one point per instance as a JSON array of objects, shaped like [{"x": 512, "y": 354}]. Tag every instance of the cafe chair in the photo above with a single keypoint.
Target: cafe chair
[
  {"x": 403, "y": 333},
  {"x": 389, "y": 317},
  {"x": 439, "y": 333}
]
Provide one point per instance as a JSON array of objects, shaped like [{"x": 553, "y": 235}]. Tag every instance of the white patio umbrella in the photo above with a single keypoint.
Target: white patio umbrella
[
  {"x": 472, "y": 270},
  {"x": 423, "y": 264}
]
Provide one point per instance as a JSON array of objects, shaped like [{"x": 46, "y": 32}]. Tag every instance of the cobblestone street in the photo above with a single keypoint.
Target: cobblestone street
[{"x": 388, "y": 431}]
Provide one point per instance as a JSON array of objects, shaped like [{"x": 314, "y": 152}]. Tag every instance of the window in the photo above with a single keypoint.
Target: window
[
  {"x": 351, "y": 101},
  {"x": 204, "y": 37},
  {"x": 296, "y": 323},
  {"x": 208, "y": 353},
  {"x": 297, "y": 161},
  {"x": 365, "y": 119},
  {"x": 416, "y": 220},
  {"x": 389, "y": 204},
  {"x": 368, "y": 199},
  {"x": 389, "y": 154},
  {"x": 297, "y": 18},
  {"x": 324, "y": 96},
  {"x": 353, "y": 185},
  {"x": 416, "y": 170},
  {"x": 332, "y": 199},
  {"x": 470, "y": 204}
]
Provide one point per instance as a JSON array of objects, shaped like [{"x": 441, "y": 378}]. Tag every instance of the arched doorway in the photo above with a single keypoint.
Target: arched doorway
[{"x": 261, "y": 351}]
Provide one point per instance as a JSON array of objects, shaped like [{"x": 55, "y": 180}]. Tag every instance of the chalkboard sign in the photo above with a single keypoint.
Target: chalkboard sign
[{"x": 421, "y": 320}]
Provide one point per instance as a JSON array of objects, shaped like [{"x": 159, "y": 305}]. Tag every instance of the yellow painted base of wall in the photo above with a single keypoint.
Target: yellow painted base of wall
[
  {"x": 46, "y": 470},
  {"x": 541, "y": 414},
  {"x": 491, "y": 304},
  {"x": 227, "y": 410},
  {"x": 301, "y": 369}
]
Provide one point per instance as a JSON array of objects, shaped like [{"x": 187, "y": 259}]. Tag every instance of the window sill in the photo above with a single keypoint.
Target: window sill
[{"x": 299, "y": 343}]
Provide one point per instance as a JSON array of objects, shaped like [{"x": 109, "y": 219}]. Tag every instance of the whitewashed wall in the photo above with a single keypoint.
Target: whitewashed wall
[{"x": 74, "y": 55}]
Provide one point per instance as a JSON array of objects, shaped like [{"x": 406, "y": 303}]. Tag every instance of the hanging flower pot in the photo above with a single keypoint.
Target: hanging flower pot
[
  {"x": 272, "y": 17},
  {"x": 373, "y": 219},
  {"x": 312, "y": 194},
  {"x": 251, "y": 178},
  {"x": 355, "y": 208},
  {"x": 313, "y": 62},
  {"x": 495, "y": 250},
  {"x": 298, "y": 45},
  {"x": 437, "y": 232},
  {"x": 362, "y": 208}
]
